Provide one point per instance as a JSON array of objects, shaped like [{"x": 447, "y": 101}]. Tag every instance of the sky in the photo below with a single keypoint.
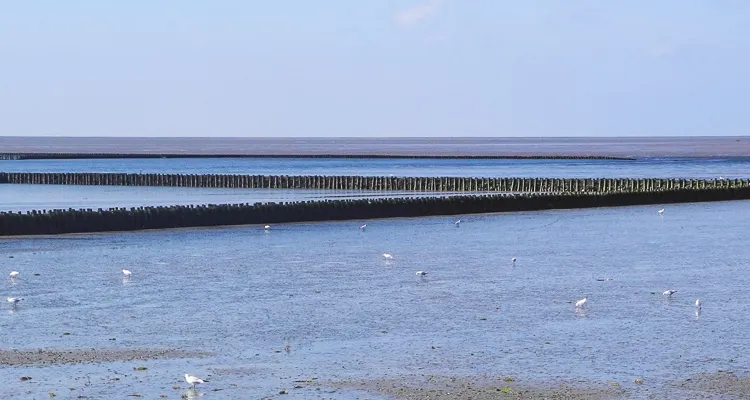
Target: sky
[{"x": 375, "y": 68}]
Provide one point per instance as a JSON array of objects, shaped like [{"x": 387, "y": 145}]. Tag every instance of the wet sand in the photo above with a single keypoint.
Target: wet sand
[
  {"x": 723, "y": 385},
  {"x": 84, "y": 356},
  {"x": 479, "y": 388}
]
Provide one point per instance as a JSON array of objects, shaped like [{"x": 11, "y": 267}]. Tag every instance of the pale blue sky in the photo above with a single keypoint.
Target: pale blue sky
[{"x": 375, "y": 68}]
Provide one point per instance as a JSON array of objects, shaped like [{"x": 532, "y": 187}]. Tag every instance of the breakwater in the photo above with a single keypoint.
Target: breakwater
[
  {"x": 373, "y": 183},
  {"x": 122, "y": 219},
  {"x": 84, "y": 156}
]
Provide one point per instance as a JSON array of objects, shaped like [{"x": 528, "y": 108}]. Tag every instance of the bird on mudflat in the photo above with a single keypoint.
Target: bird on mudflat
[
  {"x": 193, "y": 380},
  {"x": 15, "y": 300}
]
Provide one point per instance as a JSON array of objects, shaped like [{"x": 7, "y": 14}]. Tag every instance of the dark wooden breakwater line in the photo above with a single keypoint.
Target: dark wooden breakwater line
[
  {"x": 372, "y": 183},
  {"x": 121, "y": 219},
  {"x": 85, "y": 156}
]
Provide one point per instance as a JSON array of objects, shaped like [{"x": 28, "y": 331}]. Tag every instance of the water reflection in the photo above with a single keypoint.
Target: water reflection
[{"x": 192, "y": 394}]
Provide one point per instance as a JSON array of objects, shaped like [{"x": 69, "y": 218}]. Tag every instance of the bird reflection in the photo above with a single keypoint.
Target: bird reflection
[
  {"x": 192, "y": 394},
  {"x": 581, "y": 311}
]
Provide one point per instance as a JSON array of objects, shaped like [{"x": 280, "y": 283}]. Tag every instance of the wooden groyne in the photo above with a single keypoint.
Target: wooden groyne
[
  {"x": 84, "y": 156},
  {"x": 372, "y": 183},
  {"x": 122, "y": 219}
]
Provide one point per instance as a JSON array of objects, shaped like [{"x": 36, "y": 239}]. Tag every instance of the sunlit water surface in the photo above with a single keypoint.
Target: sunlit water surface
[
  {"x": 325, "y": 290},
  {"x": 714, "y": 167}
]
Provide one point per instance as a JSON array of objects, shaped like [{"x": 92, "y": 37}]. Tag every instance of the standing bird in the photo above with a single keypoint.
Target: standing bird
[
  {"x": 193, "y": 380},
  {"x": 458, "y": 223},
  {"x": 387, "y": 256},
  {"x": 266, "y": 227},
  {"x": 698, "y": 304},
  {"x": 14, "y": 274},
  {"x": 363, "y": 227},
  {"x": 127, "y": 273},
  {"x": 421, "y": 273},
  {"x": 669, "y": 292},
  {"x": 513, "y": 260},
  {"x": 661, "y": 212},
  {"x": 15, "y": 300},
  {"x": 581, "y": 303}
]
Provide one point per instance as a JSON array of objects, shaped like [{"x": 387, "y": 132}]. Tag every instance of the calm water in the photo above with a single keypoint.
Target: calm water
[
  {"x": 53, "y": 197},
  {"x": 618, "y": 146},
  {"x": 734, "y": 167},
  {"x": 325, "y": 290}
]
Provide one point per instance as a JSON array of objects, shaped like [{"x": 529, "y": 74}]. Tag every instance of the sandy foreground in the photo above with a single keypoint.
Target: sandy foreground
[
  {"x": 721, "y": 385},
  {"x": 708, "y": 386}
]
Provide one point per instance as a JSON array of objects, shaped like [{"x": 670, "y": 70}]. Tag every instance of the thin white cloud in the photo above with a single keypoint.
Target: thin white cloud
[
  {"x": 418, "y": 13},
  {"x": 663, "y": 51}
]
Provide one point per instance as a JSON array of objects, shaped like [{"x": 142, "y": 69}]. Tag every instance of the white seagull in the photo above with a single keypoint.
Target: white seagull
[
  {"x": 513, "y": 260},
  {"x": 387, "y": 256},
  {"x": 14, "y": 274},
  {"x": 698, "y": 304},
  {"x": 669, "y": 292},
  {"x": 458, "y": 223},
  {"x": 581, "y": 303},
  {"x": 421, "y": 273},
  {"x": 127, "y": 273},
  {"x": 363, "y": 227},
  {"x": 14, "y": 300},
  {"x": 193, "y": 380},
  {"x": 661, "y": 212},
  {"x": 266, "y": 227}
]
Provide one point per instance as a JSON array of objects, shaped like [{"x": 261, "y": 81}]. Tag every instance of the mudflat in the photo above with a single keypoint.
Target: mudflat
[
  {"x": 479, "y": 388},
  {"x": 84, "y": 356}
]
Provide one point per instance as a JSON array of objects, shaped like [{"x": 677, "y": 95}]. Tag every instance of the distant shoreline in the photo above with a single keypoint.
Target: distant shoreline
[
  {"x": 90, "y": 156},
  {"x": 627, "y": 148}
]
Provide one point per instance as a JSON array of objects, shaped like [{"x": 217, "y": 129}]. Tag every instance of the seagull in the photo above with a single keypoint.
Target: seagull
[
  {"x": 14, "y": 300},
  {"x": 267, "y": 227},
  {"x": 193, "y": 380},
  {"x": 363, "y": 227},
  {"x": 421, "y": 273},
  {"x": 669, "y": 292},
  {"x": 698, "y": 304},
  {"x": 14, "y": 274},
  {"x": 126, "y": 273},
  {"x": 581, "y": 303},
  {"x": 661, "y": 212},
  {"x": 457, "y": 223},
  {"x": 513, "y": 260},
  {"x": 387, "y": 256}
]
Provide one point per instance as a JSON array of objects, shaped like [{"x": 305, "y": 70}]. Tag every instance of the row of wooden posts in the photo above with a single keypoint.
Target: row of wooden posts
[
  {"x": 373, "y": 183},
  {"x": 122, "y": 219}
]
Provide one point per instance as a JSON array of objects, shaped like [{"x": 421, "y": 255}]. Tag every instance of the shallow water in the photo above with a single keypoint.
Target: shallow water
[
  {"x": 54, "y": 197},
  {"x": 732, "y": 167},
  {"x": 673, "y": 146},
  {"x": 325, "y": 290}
]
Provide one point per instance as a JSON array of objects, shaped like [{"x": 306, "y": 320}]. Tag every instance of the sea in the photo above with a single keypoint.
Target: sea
[{"x": 299, "y": 307}]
